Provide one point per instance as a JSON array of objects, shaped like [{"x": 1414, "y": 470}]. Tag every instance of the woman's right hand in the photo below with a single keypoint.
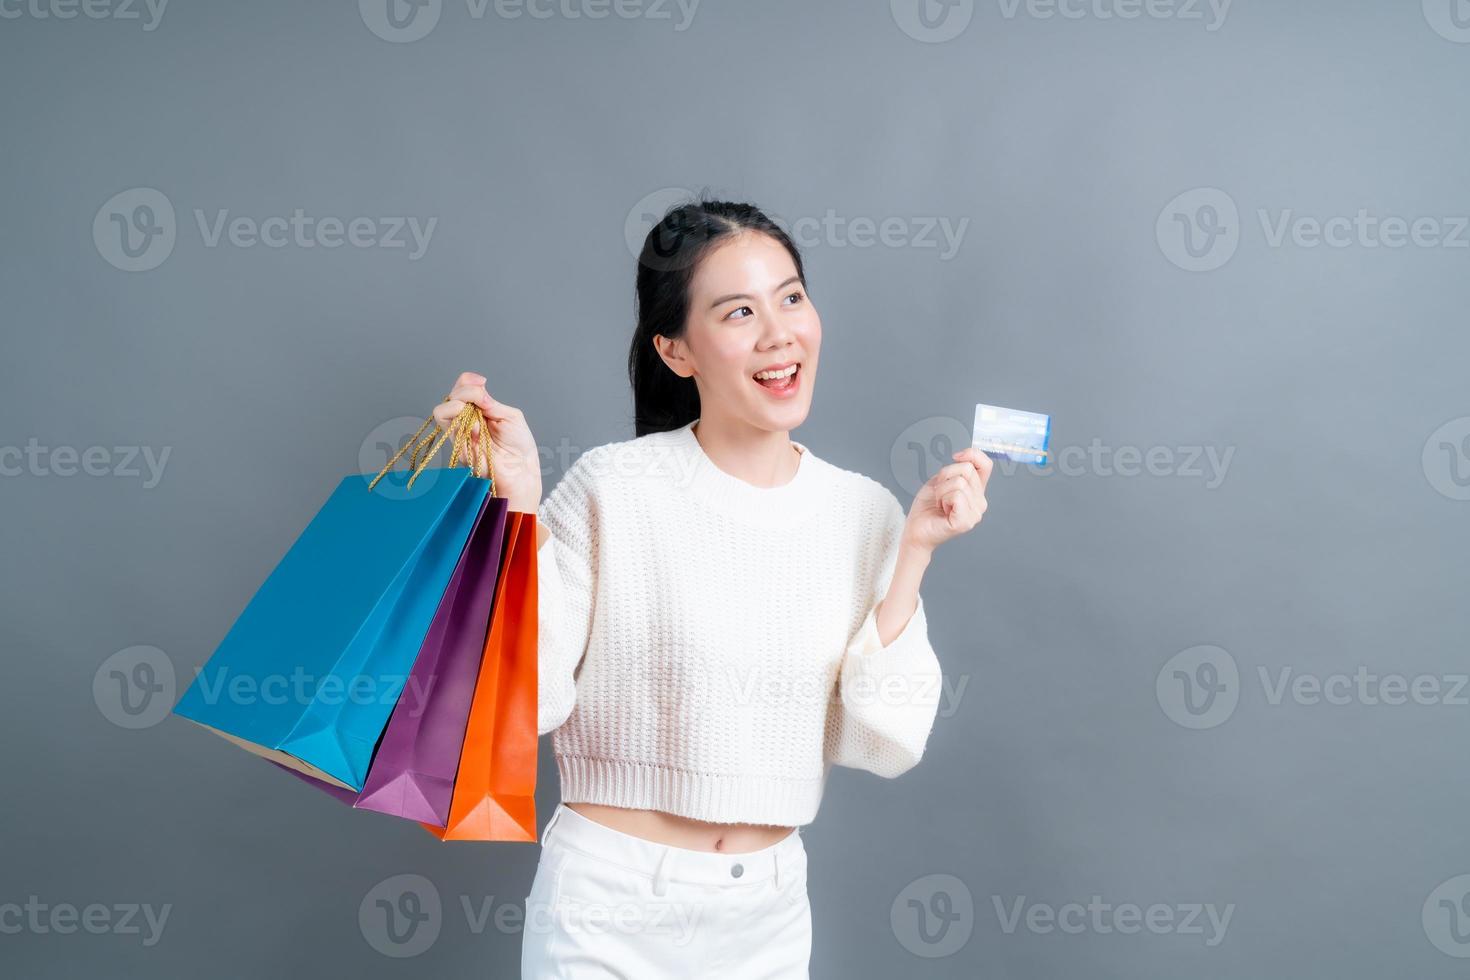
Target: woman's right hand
[{"x": 513, "y": 450}]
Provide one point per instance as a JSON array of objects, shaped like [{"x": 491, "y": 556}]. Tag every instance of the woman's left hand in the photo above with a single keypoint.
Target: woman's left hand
[{"x": 951, "y": 503}]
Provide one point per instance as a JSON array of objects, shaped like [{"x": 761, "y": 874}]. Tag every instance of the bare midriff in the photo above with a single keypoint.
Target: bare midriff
[{"x": 685, "y": 832}]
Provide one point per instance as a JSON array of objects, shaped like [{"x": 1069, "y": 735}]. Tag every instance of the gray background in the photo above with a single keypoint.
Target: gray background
[{"x": 1334, "y": 375}]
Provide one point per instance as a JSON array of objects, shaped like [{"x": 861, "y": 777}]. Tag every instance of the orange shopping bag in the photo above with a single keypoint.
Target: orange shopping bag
[{"x": 495, "y": 787}]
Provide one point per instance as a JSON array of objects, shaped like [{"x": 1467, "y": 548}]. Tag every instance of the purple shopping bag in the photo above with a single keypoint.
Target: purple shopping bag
[
  {"x": 347, "y": 796},
  {"x": 412, "y": 771},
  {"x": 412, "y": 774}
]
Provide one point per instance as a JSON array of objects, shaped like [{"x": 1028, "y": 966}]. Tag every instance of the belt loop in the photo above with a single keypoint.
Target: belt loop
[
  {"x": 551, "y": 823},
  {"x": 660, "y": 874}
]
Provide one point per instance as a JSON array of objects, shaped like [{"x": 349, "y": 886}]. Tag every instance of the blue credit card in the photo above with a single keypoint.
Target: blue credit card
[{"x": 1008, "y": 433}]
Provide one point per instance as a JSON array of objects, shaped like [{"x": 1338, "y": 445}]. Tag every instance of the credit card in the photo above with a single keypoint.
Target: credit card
[{"x": 1008, "y": 433}]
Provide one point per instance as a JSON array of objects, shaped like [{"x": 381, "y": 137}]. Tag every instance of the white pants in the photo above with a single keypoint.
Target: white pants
[{"x": 607, "y": 904}]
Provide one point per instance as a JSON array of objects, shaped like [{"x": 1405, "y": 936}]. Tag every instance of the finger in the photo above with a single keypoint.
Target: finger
[
  {"x": 494, "y": 410},
  {"x": 955, "y": 506},
  {"x": 958, "y": 467},
  {"x": 500, "y": 411},
  {"x": 964, "y": 512},
  {"x": 959, "y": 510},
  {"x": 980, "y": 460},
  {"x": 967, "y": 472},
  {"x": 445, "y": 412},
  {"x": 977, "y": 485},
  {"x": 957, "y": 482},
  {"x": 469, "y": 378},
  {"x": 947, "y": 472},
  {"x": 475, "y": 394},
  {"x": 944, "y": 494}
]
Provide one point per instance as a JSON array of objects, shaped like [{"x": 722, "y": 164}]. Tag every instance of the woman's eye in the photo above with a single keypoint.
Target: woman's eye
[
  {"x": 797, "y": 295},
  {"x": 737, "y": 310}
]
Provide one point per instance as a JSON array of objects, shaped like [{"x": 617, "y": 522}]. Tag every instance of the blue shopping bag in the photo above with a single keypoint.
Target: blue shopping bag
[{"x": 311, "y": 670}]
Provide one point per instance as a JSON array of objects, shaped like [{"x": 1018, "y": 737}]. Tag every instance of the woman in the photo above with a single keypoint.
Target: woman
[{"x": 723, "y": 617}]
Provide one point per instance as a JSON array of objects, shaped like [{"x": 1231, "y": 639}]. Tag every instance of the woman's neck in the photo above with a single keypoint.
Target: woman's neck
[{"x": 756, "y": 456}]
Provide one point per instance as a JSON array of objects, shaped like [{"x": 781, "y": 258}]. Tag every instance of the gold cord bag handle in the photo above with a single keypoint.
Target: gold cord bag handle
[{"x": 427, "y": 447}]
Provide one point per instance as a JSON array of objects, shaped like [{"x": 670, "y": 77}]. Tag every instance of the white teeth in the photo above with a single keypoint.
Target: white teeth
[{"x": 773, "y": 375}]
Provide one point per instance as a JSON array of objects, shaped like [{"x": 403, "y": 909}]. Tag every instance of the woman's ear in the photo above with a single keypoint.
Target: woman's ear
[{"x": 675, "y": 354}]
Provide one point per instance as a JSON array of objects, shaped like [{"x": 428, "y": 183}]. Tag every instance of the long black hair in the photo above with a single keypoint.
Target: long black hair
[{"x": 685, "y": 234}]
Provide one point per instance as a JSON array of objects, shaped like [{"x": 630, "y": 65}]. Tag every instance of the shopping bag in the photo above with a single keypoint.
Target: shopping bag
[
  {"x": 412, "y": 774},
  {"x": 311, "y": 670},
  {"x": 341, "y": 793},
  {"x": 495, "y": 787}
]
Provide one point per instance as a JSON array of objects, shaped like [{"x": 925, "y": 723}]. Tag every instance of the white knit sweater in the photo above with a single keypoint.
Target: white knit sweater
[{"x": 709, "y": 648}]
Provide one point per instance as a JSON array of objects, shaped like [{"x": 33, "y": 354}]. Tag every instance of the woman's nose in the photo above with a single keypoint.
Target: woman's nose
[{"x": 778, "y": 333}]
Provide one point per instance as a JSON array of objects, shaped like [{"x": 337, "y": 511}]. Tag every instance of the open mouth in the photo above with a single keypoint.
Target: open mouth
[{"x": 786, "y": 382}]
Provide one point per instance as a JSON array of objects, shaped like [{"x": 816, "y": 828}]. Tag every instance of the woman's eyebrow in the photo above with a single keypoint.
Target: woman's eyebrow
[{"x": 726, "y": 299}]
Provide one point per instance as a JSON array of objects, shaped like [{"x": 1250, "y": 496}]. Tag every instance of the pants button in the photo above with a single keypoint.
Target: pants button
[{"x": 738, "y": 870}]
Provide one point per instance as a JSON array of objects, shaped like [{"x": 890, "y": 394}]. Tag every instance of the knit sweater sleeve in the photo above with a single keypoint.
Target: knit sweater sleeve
[
  {"x": 889, "y": 695},
  {"x": 566, "y": 570}
]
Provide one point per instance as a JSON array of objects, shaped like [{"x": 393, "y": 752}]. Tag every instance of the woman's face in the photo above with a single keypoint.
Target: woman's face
[{"x": 748, "y": 312}]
